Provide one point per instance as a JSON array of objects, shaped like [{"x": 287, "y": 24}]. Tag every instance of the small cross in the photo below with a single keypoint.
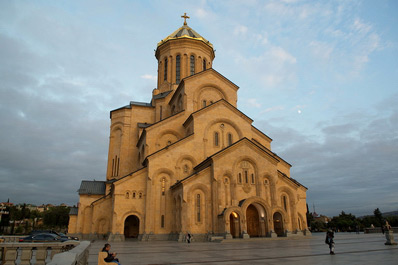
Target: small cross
[{"x": 185, "y": 18}]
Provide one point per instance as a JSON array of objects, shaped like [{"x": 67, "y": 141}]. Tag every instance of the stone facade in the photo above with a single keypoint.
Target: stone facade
[{"x": 189, "y": 161}]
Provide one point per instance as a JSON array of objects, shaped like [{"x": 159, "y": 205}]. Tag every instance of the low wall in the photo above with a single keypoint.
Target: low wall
[
  {"x": 75, "y": 256},
  {"x": 378, "y": 230},
  {"x": 32, "y": 253}
]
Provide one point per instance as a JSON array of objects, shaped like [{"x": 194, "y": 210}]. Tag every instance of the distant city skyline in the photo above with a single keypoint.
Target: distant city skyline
[{"x": 319, "y": 78}]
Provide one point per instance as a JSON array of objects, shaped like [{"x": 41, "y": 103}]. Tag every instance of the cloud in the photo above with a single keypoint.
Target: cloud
[
  {"x": 351, "y": 167},
  {"x": 240, "y": 30},
  {"x": 149, "y": 77},
  {"x": 253, "y": 103}
]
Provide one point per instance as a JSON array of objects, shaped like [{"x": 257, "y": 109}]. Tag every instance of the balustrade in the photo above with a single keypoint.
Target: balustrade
[{"x": 32, "y": 253}]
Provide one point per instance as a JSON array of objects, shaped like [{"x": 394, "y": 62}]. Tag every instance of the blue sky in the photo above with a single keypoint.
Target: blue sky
[{"x": 319, "y": 77}]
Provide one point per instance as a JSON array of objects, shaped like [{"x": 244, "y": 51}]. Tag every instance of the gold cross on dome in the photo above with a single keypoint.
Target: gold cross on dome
[{"x": 185, "y": 18}]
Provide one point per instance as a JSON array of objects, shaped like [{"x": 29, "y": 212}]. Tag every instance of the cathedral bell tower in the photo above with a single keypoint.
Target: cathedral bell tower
[{"x": 181, "y": 54}]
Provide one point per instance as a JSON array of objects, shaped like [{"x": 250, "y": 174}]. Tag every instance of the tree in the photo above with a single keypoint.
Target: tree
[
  {"x": 56, "y": 217},
  {"x": 344, "y": 222},
  {"x": 379, "y": 217}
]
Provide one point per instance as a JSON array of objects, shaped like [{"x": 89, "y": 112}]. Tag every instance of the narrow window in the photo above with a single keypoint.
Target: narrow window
[
  {"x": 204, "y": 64},
  {"x": 133, "y": 195},
  {"x": 178, "y": 69},
  {"x": 284, "y": 203},
  {"x": 240, "y": 178},
  {"x": 229, "y": 139},
  {"x": 118, "y": 162},
  {"x": 216, "y": 138},
  {"x": 204, "y": 103},
  {"x": 127, "y": 195},
  {"x": 192, "y": 64},
  {"x": 162, "y": 221},
  {"x": 140, "y": 195},
  {"x": 161, "y": 112},
  {"x": 198, "y": 207},
  {"x": 252, "y": 178},
  {"x": 163, "y": 186},
  {"x": 185, "y": 168},
  {"x": 246, "y": 178},
  {"x": 165, "y": 69},
  {"x": 113, "y": 167}
]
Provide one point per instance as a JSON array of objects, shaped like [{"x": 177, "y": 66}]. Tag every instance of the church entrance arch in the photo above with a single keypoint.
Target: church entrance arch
[
  {"x": 234, "y": 222},
  {"x": 131, "y": 227},
  {"x": 253, "y": 221},
  {"x": 278, "y": 224}
]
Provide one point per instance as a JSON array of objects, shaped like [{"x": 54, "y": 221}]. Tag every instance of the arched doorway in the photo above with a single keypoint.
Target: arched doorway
[
  {"x": 234, "y": 224},
  {"x": 131, "y": 227},
  {"x": 278, "y": 224},
  {"x": 253, "y": 221}
]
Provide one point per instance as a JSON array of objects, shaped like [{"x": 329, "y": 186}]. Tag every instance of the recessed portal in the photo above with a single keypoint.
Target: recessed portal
[
  {"x": 131, "y": 227},
  {"x": 253, "y": 221},
  {"x": 278, "y": 224},
  {"x": 234, "y": 224}
]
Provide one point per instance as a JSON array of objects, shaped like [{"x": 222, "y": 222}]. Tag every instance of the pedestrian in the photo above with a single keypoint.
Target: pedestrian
[
  {"x": 110, "y": 256},
  {"x": 329, "y": 240},
  {"x": 189, "y": 237}
]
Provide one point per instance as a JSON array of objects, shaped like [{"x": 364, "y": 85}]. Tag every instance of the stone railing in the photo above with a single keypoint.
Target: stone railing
[
  {"x": 378, "y": 230},
  {"x": 75, "y": 256},
  {"x": 10, "y": 239},
  {"x": 32, "y": 253}
]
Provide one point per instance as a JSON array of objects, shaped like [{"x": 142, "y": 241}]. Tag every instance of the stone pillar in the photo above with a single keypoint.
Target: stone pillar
[
  {"x": 41, "y": 254},
  {"x": 10, "y": 255},
  {"x": 272, "y": 234},
  {"x": 26, "y": 255}
]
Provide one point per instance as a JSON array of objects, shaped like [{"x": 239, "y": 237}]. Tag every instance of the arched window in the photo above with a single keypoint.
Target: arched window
[
  {"x": 163, "y": 181},
  {"x": 216, "y": 138},
  {"x": 185, "y": 168},
  {"x": 127, "y": 195},
  {"x": 252, "y": 177},
  {"x": 229, "y": 138},
  {"x": 165, "y": 69},
  {"x": 204, "y": 64},
  {"x": 204, "y": 103},
  {"x": 284, "y": 202},
  {"x": 140, "y": 195},
  {"x": 192, "y": 64},
  {"x": 198, "y": 207},
  {"x": 240, "y": 178},
  {"x": 246, "y": 177},
  {"x": 178, "y": 69},
  {"x": 133, "y": 195}
]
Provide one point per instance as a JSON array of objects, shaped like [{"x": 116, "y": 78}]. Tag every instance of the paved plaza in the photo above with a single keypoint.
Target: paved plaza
[{"x": 350, "y": 249}]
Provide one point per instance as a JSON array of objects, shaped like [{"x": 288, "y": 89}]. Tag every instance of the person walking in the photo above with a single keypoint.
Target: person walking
[
  {"x": 189, "y": 237},
  {"x": 329, "y": 240}
]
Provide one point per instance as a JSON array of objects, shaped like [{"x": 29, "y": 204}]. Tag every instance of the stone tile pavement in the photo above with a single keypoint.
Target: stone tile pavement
[{"x": 350, "y": 249}]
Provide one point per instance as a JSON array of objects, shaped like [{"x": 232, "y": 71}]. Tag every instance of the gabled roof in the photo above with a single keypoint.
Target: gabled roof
[
  {"x": 211, "y": 106},
  {"x": 73, "y": 211},
  {"x": 209, "y": 70},
  {"x": 132, "y": 103},
  {"x": 291, "y": 180},
  {"x": 162, "y": 95},
  {"x": 89, "y": 187},
  {"x": 209, "y": 160}
]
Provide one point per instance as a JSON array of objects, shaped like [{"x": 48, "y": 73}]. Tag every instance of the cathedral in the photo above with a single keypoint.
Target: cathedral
[{"x": 189, "y": 161}]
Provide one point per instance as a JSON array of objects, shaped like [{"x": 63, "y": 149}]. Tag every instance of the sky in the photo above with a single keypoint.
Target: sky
[{"x": 319, "y": 77}]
